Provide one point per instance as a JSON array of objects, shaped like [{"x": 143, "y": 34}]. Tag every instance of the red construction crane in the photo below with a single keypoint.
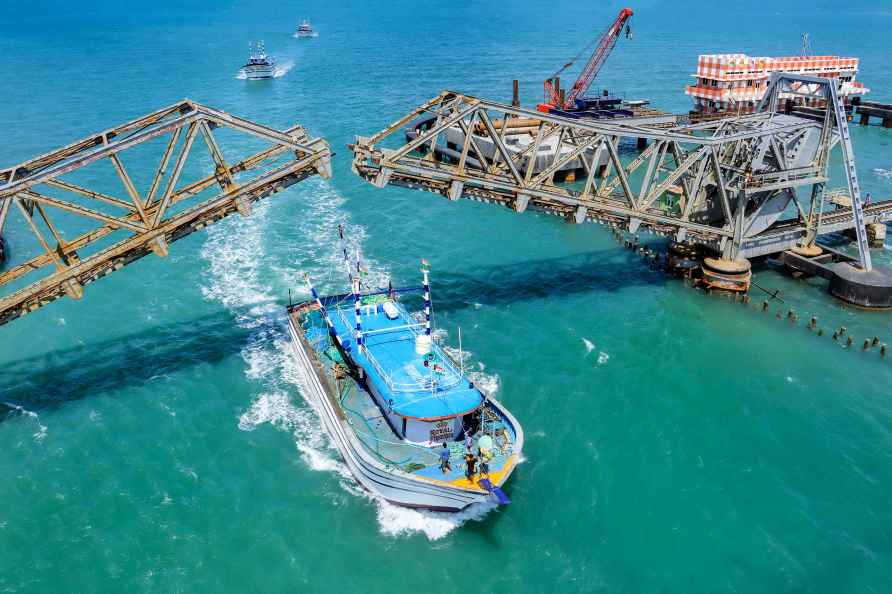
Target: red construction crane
[{"x": 604, "y": 46}]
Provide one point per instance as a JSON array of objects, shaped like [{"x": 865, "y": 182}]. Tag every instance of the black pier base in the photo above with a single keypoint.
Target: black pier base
[{"x": 866, "y": 289}]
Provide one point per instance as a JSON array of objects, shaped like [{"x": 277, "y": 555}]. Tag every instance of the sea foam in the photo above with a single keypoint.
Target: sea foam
[{"x": 41, "y": 432}]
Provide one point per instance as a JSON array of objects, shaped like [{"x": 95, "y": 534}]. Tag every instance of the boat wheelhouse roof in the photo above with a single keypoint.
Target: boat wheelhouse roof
[{"x": 414, "y": 390}]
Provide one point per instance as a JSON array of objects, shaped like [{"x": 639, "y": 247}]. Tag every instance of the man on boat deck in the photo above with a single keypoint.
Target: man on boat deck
[
  {"x": 484, "y": 456},
  {"x": 445, "y": 465},
  {"x": 470, "y": 464}
]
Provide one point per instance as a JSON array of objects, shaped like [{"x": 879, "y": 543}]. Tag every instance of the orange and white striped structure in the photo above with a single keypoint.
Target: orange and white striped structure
[{"x": 736, "y": 82}]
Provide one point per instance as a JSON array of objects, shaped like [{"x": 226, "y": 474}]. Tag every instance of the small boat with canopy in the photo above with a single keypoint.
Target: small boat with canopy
[{"x": 402, "y": 412}]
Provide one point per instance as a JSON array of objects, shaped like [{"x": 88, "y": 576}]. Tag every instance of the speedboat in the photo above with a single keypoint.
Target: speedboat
[
  {"x": 305, "y": 29},
  {"x": 259, "y": 65},
  {"x": 407, "y": 421}
]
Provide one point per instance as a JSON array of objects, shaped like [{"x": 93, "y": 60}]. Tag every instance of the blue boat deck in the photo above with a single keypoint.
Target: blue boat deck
[{"x": 417, "y": 386}]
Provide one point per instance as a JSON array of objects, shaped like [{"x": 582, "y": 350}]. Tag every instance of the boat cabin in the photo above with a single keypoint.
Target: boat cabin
[{"x": 422, "y": 393}]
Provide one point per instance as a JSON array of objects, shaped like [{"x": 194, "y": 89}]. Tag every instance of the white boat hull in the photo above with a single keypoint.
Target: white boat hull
[{"x": 259, "y": 72}]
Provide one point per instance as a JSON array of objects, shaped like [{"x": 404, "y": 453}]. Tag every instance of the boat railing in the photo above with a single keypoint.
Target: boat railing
[
  {"x": 374, "y": 443},
  {"x": 434, "y": 382},
  {"x": 431, "y": 383},
  {"x": 411, "y": 327}
]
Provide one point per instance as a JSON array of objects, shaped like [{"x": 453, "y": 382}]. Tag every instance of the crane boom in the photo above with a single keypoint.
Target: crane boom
[{"x": 602, "y": 50}]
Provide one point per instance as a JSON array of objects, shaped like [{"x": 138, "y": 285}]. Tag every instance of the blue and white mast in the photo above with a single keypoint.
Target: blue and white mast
[
  {"x": 356, "y": 305},
  {"x": 427, "y": 297},
  {"x": 423, "y": 341}
]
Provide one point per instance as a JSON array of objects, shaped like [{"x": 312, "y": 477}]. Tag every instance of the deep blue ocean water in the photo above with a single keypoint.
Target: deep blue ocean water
[{"x": 676, "y": 442}]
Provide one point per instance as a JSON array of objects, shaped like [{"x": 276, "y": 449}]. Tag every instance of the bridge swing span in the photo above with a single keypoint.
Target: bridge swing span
[
  {"x": 742, "y": 186},
  {"x": 72, "y": 233}
]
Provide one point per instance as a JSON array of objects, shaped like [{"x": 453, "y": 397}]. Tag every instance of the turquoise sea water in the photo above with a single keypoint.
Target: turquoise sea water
[{"x": 154, "y": 437}]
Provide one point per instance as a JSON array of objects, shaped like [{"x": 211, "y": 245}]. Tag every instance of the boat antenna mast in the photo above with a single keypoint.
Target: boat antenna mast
[
  {"x": 357, "y": 304},
  {"x": 424, "y": 341},
  {"x": 461, "y": 357},
  {"x": 425, "y": 271},
  {"x": 343, "y": 245},
  {"x": 806, "y": 46}
]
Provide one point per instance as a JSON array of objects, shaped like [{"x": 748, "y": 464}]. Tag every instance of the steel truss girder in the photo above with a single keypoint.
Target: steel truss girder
[
  {"x": 738, "y": 163},
  {"x": 622, "y": 196},
  {"x": 150, "y": 220}
]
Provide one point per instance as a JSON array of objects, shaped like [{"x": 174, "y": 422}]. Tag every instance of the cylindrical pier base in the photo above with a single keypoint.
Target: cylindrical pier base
[
  {"x": 866, "y": 289},
  {"x": 807, "y": 251},
  {"x": 727, "y": 275},
  {"x": 865, "y": 119}
]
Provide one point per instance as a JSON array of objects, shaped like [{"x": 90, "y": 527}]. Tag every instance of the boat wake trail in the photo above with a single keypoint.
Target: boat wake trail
[
  {"x": 283, "y": 68},
  {"x": 40, "y": 434},
  {"x": 280, "y": 70},
  {"x": 250, "y": 261},
  {"x": 400, "y": 521},
  {"x": 884, "y": 173}
]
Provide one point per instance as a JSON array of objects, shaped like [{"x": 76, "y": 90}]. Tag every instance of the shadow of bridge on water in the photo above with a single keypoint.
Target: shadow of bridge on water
[{"x": 52, "y": 379}]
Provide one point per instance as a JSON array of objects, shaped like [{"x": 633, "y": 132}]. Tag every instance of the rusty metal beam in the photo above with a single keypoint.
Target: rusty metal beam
[{"x": 143, "y": 225}]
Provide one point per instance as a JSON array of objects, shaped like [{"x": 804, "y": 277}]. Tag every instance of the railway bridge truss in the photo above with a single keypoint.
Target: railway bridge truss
[
  {"x": 743, "y": 186},
  {"x": 76, "y": 214}
]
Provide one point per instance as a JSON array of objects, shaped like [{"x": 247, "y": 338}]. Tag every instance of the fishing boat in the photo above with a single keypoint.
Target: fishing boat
[
  {"x": 305, "y": 30},
  {"x": 402, "y": 413},
  {"x": 259, "y": 65}
]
